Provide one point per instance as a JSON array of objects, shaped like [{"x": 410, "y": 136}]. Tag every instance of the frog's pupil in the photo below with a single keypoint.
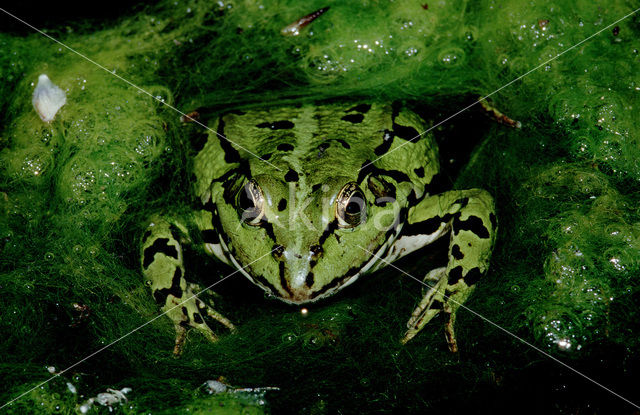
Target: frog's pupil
[
  {"x": 355, "y": 204},
  {"x": 353, "y": 208}
]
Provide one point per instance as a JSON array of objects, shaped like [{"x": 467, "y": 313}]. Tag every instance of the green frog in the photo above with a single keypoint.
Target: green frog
[{"x": 304, "y": 200}]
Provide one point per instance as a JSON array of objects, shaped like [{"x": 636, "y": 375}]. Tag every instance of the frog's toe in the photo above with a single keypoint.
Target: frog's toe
[
  {"x": 196, "y": 321},
  {"x": 205, "y": 308},
  {"x": 430, "y": 305},
  {"x": 192, "y": 314}
]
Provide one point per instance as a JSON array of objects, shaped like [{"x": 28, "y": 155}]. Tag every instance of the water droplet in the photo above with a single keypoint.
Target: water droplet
[
  {"x": 289, "y": 338},
  {"x": 451, "y": 57},
  {"x": 49, "y": 256},
  {"x": 313, "y": 342}
]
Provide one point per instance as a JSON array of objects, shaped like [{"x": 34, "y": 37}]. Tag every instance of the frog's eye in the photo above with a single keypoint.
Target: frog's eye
[
  {"x": 251, "y": 203},
  {"x": 351, "y": 206}
]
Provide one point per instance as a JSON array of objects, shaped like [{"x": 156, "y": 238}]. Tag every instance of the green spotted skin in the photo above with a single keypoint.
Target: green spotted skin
[{"x": 299, "y": 248}]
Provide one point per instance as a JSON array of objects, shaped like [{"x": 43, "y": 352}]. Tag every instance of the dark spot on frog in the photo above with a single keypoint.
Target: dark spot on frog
[
  {"x": 473, "y": 275},
  {"x": 309, "y": 280},
  {"x": 426, "y": 227},
  {"x": 368, "y": 168},
  {"x": 363, "y": 108},
  {"x": 209, "y": 236},
  {"x": 268, "y": 228},
  {"x": 456, "y": 252},
  {"x": 473, "y": 224},
  {"x": 315, "y": 187},
  {"x": 162, "y": 294},
  {"x": 344, "y": 143},
  {"x": 353, "y": 118},
  {"x": 436, "y": 305},
  {"x": 198, "y": 141},
  {"x": 285, "y": 147},
  {"x": 283, "y": 281},
  {"x": 231, "y": 155},
  {"x": 146, "y": 236},
  {"x": 291, "y": 176},
  {"x": 282, "y": 205},
  {"x": 277, "y": 125},
  {"x": 455, "y": 275},
  {"x": 278, "y": 250},
  {"x": 159, "y": 245},
  {"x": 266, "y": 156},
  {"x": 197, "y": 318},
  {"x": 419, "y": 172},
  {"x": 406, "y": 133},
  {"x": 316, "y": 251},
  {"x": 322, "y": 148},
  {"x": 331, "y": 227},
  {"x": 387, "y": 140}
]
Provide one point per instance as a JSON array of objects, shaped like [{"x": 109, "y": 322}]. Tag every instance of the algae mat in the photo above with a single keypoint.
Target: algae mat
[{"x": 75, "y": 195}]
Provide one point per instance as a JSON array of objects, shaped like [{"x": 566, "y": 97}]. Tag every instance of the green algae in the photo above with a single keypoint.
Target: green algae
[{"x": 74, "y": 195}]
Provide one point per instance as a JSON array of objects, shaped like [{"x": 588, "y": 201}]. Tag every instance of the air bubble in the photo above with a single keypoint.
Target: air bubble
[
  {"x": 313, "y": 342},
  {"x": 451, "y": 57}
]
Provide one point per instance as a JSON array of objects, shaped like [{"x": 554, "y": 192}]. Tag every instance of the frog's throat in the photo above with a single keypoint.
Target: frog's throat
[{"x": 312, "y": 296}]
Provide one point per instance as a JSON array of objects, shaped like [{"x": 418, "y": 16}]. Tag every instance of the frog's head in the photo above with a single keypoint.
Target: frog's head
[{"x": 302, "y": 239}]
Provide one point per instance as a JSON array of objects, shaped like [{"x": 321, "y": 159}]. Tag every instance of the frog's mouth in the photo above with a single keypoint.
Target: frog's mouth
[{"x": 302, "y": 294}]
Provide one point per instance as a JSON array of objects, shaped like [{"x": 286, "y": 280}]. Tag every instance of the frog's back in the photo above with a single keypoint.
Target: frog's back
[{"x": 311, "y": 143}]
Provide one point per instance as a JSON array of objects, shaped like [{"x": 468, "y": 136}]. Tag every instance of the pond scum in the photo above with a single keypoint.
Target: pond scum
[{"x": 75, "y": 194}]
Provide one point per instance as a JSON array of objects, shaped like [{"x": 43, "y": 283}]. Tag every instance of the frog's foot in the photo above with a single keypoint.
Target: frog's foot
[
  {"x": 430, "y": 305},
  {"x": 498, "y": 116},
  {"x": 190, "y": 313},
  {"x": 433, "y": 302}
]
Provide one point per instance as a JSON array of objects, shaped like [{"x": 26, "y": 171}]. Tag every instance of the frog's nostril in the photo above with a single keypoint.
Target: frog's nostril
[
  {"x": 316, "y": 251},
  {"x": 277, "y": 252}
]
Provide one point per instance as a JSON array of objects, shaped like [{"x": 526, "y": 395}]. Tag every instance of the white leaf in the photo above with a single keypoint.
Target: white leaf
[{"x": 47, "y": 98}]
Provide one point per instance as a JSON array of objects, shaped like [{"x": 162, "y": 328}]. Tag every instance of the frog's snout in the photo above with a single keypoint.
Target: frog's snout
[{"x": 296, "y": 277}]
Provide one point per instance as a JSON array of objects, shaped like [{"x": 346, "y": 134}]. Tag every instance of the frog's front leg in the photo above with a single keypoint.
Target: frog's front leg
[
  {"x": 469, "y": 217},
  {"x": 163, "y": 270}
]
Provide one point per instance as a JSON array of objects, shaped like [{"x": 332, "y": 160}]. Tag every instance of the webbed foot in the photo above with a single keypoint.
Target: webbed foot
[{"x": 191, "y": 313}]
